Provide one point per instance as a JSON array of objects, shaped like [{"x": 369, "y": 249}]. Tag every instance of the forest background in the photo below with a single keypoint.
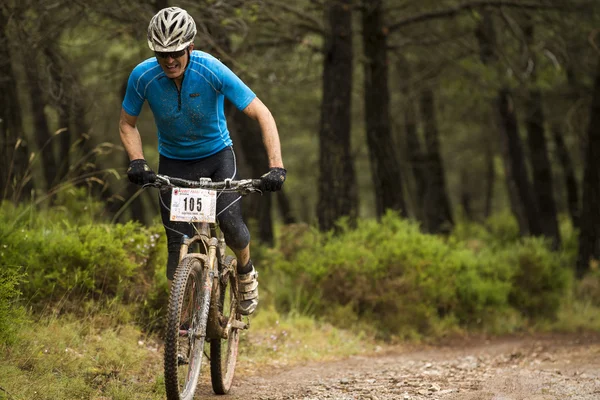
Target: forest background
[{"x": 443, "y": 166}]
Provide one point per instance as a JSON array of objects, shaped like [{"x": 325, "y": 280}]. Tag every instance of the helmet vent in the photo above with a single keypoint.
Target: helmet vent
[{"x": 171, "y": 29}]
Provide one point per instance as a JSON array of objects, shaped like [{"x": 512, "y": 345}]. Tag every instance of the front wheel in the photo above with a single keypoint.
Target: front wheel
[
  {"x": 223, "y": 352},
  {"x": 186, "y": 329}
]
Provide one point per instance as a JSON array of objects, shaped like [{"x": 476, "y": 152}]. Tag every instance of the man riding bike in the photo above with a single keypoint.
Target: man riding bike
[{"x": 185, "y": 89}]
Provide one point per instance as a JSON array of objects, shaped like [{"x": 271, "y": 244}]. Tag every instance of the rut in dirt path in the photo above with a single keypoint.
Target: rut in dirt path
[{"x": 508, "y": 369}]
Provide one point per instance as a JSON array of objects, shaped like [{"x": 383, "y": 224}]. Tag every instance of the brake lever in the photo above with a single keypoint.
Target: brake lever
[{"x": 160, "y": 182}]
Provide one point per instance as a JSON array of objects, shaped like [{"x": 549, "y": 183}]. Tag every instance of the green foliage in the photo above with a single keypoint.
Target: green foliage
[
  {"x": 95, "y": 356},
  {"x": 77, "y": 357},
  {"x": 277, "y": 338},
  {"x": 498, "y": 230},
  {"x": 89, "y": 260},
  {"x": 390, "y": 276},
  {"x": 384, "y": 277},
  {"x": 11, "y": 314},
  {"x": 70, "y": 205},
  {"x": 569, "y": 239},
  {"x": 541, "y": 281},
  {"x": 66, "y": 262},
  {"x": 588, "y": 289},
  {"x": 580, "y": 307}
]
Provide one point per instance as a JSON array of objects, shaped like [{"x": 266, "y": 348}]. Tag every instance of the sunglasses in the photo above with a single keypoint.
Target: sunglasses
[{"x": 172, "y": 54}]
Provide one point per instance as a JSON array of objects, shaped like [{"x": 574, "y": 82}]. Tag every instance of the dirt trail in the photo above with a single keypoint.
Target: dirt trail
[{"x": 501, "y": 369}]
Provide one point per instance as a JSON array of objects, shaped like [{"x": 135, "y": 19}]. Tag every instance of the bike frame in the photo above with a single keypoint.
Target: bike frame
[
  {"x": 215, "y": 298},
  {"x": 214, "y": 246}
]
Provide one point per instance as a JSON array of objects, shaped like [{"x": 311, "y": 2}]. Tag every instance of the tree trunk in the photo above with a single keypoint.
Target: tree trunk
[
  {"x": 385, "y": 166},
  {"x": 568, "y": 174},
  {"x": 414, "y": 149},
  {"x": 517, "y": 181},
  {"x": 63, "y": 102},
  {"x": 437, "y": 204},
  {"x": 516, "y": 168},
  {"x": 589, "y": 237},
  {"x": 338, "y": 195},
  {"x": 285, "y": 208},
  {"x": 490, "y": 179},
  {"x": 543, "y": 185},
  {"x": 465, "y": 194},
  {"x": 13, "y": 147},
  {"x": 42, "y": 134}
]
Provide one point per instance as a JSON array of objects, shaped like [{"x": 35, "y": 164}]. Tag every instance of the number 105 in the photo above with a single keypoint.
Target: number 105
[{"x": 192, "y": 204}]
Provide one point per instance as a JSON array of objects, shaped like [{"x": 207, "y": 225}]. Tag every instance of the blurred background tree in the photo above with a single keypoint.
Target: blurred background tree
[{"x": 444, "y": 110}]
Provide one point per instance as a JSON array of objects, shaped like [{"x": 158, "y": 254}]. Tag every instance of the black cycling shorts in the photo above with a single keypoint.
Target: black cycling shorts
[{"x": 218, "y": 167}]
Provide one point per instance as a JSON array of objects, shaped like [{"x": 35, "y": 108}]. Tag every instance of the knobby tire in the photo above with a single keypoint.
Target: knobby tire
[
  {"x": 186, "y": 314},
  {"x": 223, "y": 352}
]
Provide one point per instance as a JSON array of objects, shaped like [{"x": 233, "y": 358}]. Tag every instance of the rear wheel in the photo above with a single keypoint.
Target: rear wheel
[
  {"x": 223, "y": 352},
  {"x": 186, "y": 329}
]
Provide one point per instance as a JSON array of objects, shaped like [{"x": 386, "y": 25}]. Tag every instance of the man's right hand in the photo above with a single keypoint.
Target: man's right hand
[{"x": 140, "y": 173}]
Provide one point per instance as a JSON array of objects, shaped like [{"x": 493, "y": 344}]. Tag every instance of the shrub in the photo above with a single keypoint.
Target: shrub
[
  {"x": 93, "y": 260},
  {"x": 393, "y": 277},
  {"x": 541, "y": 280},
  {"x": 499, "y": 230},
  {"x": 67, "y": 263},
  {"x": 587, "y": 289}
]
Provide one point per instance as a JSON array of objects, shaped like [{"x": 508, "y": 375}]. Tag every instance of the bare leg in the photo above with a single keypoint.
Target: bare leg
[
  {"x": 248, "y": 284},
  {"x": 243, "y": 256}
]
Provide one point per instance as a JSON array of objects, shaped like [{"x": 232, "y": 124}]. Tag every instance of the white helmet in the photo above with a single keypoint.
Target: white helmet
[{"x": 171, "y": 29}]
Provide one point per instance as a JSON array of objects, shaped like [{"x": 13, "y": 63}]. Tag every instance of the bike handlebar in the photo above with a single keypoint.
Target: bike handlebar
[{"x": 243, "y": 186}]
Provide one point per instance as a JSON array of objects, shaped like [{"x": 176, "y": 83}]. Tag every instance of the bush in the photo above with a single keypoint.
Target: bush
[
  {"x": 391, "y": 276},
  {"x": 541, "y": 281},
  {"x": 67, "y": 263},
  {"x": 587, "y": 289},
  {"x": 383, "y": 276},
  {"x": 499, "y": 230},
  {"x": 92, "y": 260}
]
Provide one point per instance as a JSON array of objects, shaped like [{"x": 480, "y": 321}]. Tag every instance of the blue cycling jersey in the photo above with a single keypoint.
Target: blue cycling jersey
[{"x": 191, "y": 122}]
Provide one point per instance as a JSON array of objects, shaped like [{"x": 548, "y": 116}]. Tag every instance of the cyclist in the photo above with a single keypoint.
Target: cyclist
[{"x": 185, "y": 89}]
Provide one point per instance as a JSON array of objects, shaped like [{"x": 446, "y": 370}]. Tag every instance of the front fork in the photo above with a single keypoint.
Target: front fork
[
  {"x": 214, "y": 328},
  {"x": 207, "y": 292}
]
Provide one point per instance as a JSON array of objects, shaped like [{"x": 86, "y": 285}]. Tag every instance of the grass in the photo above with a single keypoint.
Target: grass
[
  {"x": 276, "y": 340},
  {"x": 65, "y": 358},
  {"x": 578, "y": 316},
  {"x": 102, "y": 352},
  {"x": 98, "y": 358}
]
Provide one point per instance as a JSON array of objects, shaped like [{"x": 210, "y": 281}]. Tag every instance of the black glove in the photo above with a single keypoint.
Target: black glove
[
  {"x": 273, "y": 180},
  {"x": 140, "y": 173}
]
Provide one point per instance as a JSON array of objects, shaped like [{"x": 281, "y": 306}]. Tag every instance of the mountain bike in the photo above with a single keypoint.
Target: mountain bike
[{"x": 203, "y": 298}]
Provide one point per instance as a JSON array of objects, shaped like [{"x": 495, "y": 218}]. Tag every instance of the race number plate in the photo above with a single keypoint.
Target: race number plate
[{"x": 193, "y": 205}]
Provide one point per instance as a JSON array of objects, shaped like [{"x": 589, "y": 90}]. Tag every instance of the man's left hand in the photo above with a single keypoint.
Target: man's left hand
[{"x": 273, "y": 180}]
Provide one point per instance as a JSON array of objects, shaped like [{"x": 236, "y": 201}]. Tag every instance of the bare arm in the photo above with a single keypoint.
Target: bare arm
[
  {"x": 130, "y": 136},
  {"x": 258, "y": 111}
]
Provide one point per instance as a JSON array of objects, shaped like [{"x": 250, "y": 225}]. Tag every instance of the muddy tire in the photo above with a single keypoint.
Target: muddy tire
[
  {"x": 223, "y": 352},
  {"x": 186, "y": 329}
]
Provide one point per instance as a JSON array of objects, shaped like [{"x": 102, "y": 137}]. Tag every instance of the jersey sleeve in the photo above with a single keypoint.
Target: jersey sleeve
[
  {"x": 233, "y": 88},
  {"x": 133, "y": 101}
]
